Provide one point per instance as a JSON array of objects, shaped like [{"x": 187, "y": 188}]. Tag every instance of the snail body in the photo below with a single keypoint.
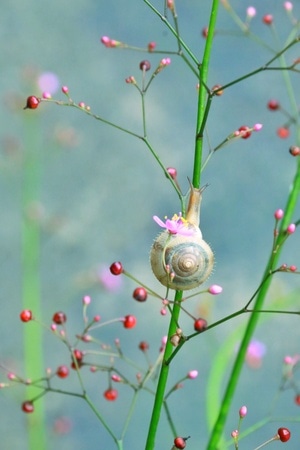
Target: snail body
[{"x": 183, "y": 260}]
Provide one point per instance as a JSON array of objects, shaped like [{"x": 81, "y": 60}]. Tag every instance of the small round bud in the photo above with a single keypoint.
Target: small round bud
[
  {"x": 251, "y": 12},
  {"x": 62, "y": 371},
  {"x": 245, "y": 132},
  {"x": 192, "y": 374},
  {"x": 284, "y": 434},
  {"x": 129, "y": 321},
  {"x": 278, "y": 214},
  {"x": 65, "y": 89},
  {"x": 145, "y": 65},
  {"x": 215, "y": 289},
  {"x": 27, "y": 407},
  {"x": 143, "y": 346},
  {"x": 283, "y": 132},
  {"x": 294, "y": 150},
  {"x": 86, "y": 300},
  {"x": 59, "y": 318},
  {"x": 140, "y": 294},
  {"x": 267, "y": 19},
  {"x": 32, "y": 102},
  {"x": 179, "y": 442},
  {"x": 293, "y": 268},
  {"x": 273, "y": 105},
  {"x": 116, "y": 268},
  {"x": 110, "y": 394},
  {"x": 172, "y": 172},
  {"x": 26, "y": 315},
  {"x": 291, "y": 228},
  {"x": 243, "y": 412},
  {"x": 200, "y": 325},
  {"x": 288, "y": 6},
  {"x": 151, "y": 46}
]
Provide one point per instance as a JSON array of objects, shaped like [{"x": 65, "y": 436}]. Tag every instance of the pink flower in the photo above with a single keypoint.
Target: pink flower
[{"x": 177, "y": 225}]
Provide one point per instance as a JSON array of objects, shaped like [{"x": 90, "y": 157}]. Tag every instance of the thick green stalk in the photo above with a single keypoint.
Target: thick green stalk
[
  {"x": 202, "y": 98},
  {"x": 252, "y": 322},
  {"x": 163, "y": 376},
  {"x": 33, "y": 338}
]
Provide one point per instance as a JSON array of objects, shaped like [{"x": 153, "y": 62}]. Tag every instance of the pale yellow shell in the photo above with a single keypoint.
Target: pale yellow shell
[{"x": 183, "y": 262}]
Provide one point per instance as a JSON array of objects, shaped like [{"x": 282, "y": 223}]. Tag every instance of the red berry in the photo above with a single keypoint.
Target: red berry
[
  {"x": 143, "y": 346},
  {"x": 145, "y": 65},
  {"x": 268, "y": 19},
  {"x": 294, "y": 150},
  {"x": 273, "y": 105},
  {"x": 283, "y": 132},
  {"x": 140, "y": 294},
  {"x": 129, "y": 321},
  {"x": 179, "y": 442},
  {"x": 78, "y": 354},
  {"x": 297, "y": 399},
  {"x": 246, "y": 134},
  {"x": 151, "y": 46},
  {"x": 32, "y": 102},
  {"x": 76, "y": 366},
  {"x": 284, "y": 434},
  {"x": 116, "y": 268},
  {"x": 27, "y": 407},
  {"x": 26, "y": 315},
  {"x": 59, "y": 317},
  {"x": 200, "y": 325},
  {"x": 62, "y": 371},
  {"x": 110, "y": 394}
]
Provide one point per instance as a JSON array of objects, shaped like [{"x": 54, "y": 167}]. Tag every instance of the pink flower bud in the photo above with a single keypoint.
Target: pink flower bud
[
  {"x": 243, "y": 412},
  {"x": 288, "y": 6},
  {"x": 215, "y": 289},
  {"x": 116, "y": 378},
  {"x": 251, "y": 11},
  {"x": 172, "y": 172},
  {"x": 86, "y": 300},
  {"x": 46, "y": 95},
  {"x": 106, "y": 41},
  {"x": 192, "y": 374},
  {"x": 257, "y": 127},
  {"x": 291, "y": 228},
  {"x": 65, "y": 89},
  {"x": 293, "y": 268},
  {"x": 278, "y": 214},
  {"x": 234, "y": 434}
]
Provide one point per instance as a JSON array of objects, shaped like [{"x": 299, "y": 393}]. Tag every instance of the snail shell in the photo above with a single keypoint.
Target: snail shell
[{"x": 183, "y": 262}]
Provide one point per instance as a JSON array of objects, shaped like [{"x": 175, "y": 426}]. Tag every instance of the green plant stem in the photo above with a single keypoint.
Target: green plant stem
[
  {"x": 33, "y": 336},
  {"x": 163, "y": 376},
  {"x": 203, "y": 75},
  {"x": 253, "y": 320}
]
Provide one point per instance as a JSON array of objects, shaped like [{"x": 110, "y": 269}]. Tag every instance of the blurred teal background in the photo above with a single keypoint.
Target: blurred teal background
[{"x": 99, "y": 189}]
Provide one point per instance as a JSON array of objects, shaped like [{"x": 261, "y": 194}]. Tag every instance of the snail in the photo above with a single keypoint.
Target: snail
[{"x": 179, "y": 257}]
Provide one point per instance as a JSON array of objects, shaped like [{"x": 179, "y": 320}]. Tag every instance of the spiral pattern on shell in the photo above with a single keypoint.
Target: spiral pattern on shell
[{"x": 188, "y": 259}]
